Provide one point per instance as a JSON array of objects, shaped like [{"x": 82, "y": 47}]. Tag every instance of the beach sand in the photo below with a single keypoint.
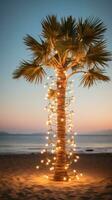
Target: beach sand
[{"x": 20, "y": 180}]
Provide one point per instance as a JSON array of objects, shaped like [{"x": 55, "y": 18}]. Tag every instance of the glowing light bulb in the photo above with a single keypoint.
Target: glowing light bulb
[
  {"x": 37, "y": 167},
  {"x": 51, "y": 168},
  {"x": 52, "y": 151},
  {"x": 42, "y": 161},
  {"x": 62, "y": 120},
  {"x": 54, "y": 135},
  {"x": 77, "y": 157}
]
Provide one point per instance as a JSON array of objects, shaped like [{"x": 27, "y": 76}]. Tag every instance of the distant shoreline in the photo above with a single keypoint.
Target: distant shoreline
[
  {"x": 38, "y": 153},
  {"x": 100, "y": 132}
]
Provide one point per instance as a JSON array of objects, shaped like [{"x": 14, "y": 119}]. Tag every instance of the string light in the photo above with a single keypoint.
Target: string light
[
  {"x": 64, "y": 178},
  {"x": 51, "y": 168},
  {"x": 52, "y": 141},
  {"x": 62, "y": 120}
]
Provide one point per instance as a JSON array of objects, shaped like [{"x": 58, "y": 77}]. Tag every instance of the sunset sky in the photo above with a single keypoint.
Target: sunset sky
[{"x": 21, "y": 103}]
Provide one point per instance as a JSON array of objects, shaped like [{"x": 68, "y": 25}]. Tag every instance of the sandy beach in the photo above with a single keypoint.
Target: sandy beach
[{"x": 20, "y": 180}]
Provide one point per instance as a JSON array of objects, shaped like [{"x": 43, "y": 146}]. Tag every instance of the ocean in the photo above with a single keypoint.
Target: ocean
[{"x": 33, "y": 143}]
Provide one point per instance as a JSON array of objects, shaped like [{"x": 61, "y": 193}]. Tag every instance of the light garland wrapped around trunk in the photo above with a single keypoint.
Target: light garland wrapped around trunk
[{"x": 60, "y": 135}]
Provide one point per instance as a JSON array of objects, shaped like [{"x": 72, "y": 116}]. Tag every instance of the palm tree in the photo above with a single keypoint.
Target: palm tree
[{"x": 68, "y": 47}]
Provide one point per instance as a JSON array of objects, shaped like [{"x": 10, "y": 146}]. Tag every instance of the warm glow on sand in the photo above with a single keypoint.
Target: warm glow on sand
[
  {"x": 47, "y": 180},
  {"x": 19, "y": 178}
]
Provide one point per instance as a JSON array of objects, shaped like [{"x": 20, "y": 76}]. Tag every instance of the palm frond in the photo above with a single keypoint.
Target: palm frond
[
  {"x": 92, "y": 76},
  {"x": 32, "y": 44},
  {"x": 63, "y": 45},
  {"x": 50, "y": 27},
  {"x": 30, "y": 71},
  {"x": 90, "y": 30},
  {"x": 63, "y": 48},
  {"x": 40, "y": 50},
  {"x": 68, "y": 27},
  {"x": 76, "y": 67},
  {"x": 98, "y": 55},
  {"x": 53, "y": 62}
]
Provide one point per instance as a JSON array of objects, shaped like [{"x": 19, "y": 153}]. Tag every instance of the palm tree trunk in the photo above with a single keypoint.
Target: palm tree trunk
[{"x": 60, "y": 169}]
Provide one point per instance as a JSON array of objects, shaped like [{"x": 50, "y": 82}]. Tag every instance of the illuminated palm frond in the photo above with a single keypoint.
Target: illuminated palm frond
[
  {"x": 90, "y": 30},
  {"x": 63, "y": 48},
  {"x": 30, "y": 71},
  {"x": 65, "y": 42},
  {"x": 92, "y": 76},
  {"x": 66, "y": 45},
  {"x": 53, "y": 62},
  {"x": 50, "y": 27},
  {"x": 63, "y": 45},
  {"x": 68, "y": 27},
  {"x": 40, "y": 50},
  {"x": 98, "y": 55},
  {"x": 33, "y": 44}
]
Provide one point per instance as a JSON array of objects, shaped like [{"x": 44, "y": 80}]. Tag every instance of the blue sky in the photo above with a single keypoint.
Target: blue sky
[{"x": 22, "y": 103}]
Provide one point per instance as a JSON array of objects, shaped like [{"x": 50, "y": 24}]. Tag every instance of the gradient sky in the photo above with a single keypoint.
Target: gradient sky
[{"x": 22, "y": 103}]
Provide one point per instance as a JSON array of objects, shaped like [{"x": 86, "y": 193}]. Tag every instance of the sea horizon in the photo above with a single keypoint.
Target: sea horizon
[
  {"x": 26, "y": 143},
  {"x": 96, "y": 132}
]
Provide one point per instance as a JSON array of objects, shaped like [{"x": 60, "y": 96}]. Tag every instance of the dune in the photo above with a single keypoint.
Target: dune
[{"x": 20, "y": 180}]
